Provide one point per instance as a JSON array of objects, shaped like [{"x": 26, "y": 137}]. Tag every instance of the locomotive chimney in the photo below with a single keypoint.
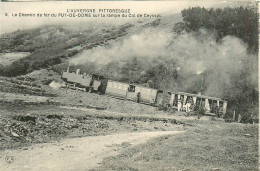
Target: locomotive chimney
[
  {"x": 78, "y": 71},
  {"x": 68, "y": 69}
]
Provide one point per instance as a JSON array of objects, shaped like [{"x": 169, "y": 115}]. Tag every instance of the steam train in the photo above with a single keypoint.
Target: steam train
[{"x": 179, "y": 101}]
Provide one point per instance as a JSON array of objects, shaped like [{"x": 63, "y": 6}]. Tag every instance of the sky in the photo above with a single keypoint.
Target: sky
[{"x": 10, "y": 23}]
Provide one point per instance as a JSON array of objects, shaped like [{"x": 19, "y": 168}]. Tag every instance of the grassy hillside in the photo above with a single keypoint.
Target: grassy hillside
[
  {"x": 209, "y": 146},
  {"x": 51, "y": 45}
]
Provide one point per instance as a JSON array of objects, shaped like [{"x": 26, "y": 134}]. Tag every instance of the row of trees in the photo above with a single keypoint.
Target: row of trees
[{"x": 241, "y": 22}]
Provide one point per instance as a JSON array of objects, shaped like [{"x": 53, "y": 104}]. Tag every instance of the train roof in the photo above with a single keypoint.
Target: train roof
[
  {"x": 135, "y": 85},
  {"x": 145, "y": 87},
  {"x": 199, "y": 96},
  {"x": 94, "y": 74},
  {"x": 117, "y": 82}
]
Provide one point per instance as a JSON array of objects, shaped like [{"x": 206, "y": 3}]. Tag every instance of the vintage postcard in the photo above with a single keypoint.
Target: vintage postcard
[{"x": 129, "y": 85}]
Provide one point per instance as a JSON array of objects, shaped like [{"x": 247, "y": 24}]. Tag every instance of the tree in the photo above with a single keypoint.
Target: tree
[{"x": 240, "y": 22}]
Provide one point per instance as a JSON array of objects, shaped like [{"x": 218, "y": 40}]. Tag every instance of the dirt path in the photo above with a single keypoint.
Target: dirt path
[{"x": 73, "y": 154}]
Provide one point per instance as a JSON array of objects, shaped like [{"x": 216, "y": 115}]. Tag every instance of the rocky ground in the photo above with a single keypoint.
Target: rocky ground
[{"x": 44, "y": 123}]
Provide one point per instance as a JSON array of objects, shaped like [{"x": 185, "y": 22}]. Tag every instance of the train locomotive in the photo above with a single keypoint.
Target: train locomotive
[{"x": 179, "y": 101}]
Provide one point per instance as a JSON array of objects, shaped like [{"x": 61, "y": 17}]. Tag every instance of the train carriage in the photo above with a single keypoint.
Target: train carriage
[
  {"x": 191, "y": 102},
  {"x": 116, "y": 89},
  {"x": 147, "y": 95},
  {"x": 131, "y": 92},
  {"x": 142, "y": 94}
]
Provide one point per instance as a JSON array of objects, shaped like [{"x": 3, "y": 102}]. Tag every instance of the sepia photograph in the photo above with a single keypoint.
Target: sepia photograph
[{"x": 129, "y": 85}]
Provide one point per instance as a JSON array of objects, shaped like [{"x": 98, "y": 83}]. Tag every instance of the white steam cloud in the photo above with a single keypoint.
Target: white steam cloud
[
  {"x": 144, "y": 44},
  {"x": 193, "y": 53}
]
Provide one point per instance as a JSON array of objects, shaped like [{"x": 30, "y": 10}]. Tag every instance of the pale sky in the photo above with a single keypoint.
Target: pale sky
[{"x": 9, "y": 24}]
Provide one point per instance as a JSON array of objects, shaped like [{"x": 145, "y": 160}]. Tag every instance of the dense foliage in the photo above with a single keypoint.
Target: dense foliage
[{"x": 241, "y": 22}]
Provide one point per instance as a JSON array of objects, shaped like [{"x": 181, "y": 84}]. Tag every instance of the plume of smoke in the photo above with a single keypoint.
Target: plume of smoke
[
  {"x": 193, "y": 53},
  {"x": 144, "y": 44}
]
